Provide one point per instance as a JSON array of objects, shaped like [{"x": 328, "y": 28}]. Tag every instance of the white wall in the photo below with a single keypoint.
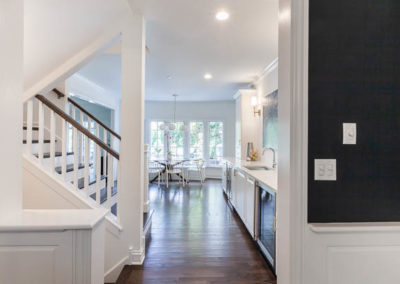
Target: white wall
[
  {"x": 83, "y": 88},
  {"x": 55, "y": 31},
  {"x": 186, "y": 111},
  {"x": 11, "y": 88}
]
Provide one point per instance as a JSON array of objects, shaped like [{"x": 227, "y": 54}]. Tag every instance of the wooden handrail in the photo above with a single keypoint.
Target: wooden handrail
[
  {"x": 77, "y": 125},
  {"x": 90, "y": 115}
]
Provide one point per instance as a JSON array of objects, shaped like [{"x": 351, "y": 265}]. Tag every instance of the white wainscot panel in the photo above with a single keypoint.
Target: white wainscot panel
[
  {"x": 36, "y": 257},
  {"x": 363, "y": 264}
]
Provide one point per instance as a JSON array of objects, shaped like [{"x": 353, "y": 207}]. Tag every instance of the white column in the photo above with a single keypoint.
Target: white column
[
  {"x": 130, "y": 186},
  {"x": 289, "y": 236},
  {"x": 11, "y": 89}
]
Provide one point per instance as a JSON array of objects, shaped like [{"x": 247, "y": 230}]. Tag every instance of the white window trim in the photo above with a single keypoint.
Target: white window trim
[{"x": 206, "y": 122}]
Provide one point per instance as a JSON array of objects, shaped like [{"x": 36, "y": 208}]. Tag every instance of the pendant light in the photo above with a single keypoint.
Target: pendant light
[{"x": 172, "y": 125}]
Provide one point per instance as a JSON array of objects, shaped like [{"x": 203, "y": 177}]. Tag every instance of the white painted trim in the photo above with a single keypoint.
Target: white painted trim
[
  {"x": 114, "y": 272},
  {"x": 136, "y": 257},
  {"x": 355, "y": 227},
  {"x": 268, "y": 69},
  {"x": 73, "y": 64},
  {"x": 293, "y": 128},
  {"x": 148, "y": 225},
  {"x": 242, "y": 92}
]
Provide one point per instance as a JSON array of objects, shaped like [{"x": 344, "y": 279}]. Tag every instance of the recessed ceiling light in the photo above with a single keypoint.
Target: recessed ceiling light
[
  {"x": 222, "y": 16},
  {"x": 208, "y": 76}
]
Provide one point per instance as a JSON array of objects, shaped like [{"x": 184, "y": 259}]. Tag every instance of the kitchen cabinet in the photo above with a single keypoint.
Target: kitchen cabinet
[
  {"x": 241, "y": 202},
  {"x": 250, "y": 204},
  {"x": 243, "y": 198}
]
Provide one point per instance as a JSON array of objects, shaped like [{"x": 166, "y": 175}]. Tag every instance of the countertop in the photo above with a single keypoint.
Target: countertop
[
  {"x": 52, "y": 220},
  {"x": 266, "y": 177}
]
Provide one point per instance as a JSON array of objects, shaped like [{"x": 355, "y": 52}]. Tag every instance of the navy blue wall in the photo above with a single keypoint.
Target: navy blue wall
[{"x": 354, "y": 76}]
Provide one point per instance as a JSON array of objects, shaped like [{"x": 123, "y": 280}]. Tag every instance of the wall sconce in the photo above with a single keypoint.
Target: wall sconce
[{"x": 255, "y": 104}]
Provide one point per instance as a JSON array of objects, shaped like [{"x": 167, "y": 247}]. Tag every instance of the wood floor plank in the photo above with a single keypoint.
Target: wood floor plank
[{"x": 196, "y": 238}]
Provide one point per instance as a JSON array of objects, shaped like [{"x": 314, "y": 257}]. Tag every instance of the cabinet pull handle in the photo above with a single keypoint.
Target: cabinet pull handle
[
  {"x": 240, "y": 174},
  {"x": 274, "y": 224}
]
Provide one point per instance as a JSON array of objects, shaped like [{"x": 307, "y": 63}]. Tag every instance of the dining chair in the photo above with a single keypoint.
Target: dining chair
[
  {"x": 196, "y": 166},
  {"x": 175, "y": 170},
  {"x": 156, "y": 168}
]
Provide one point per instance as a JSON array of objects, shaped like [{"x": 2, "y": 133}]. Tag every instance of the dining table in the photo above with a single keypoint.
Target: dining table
[{"x": 170, "y": 164}]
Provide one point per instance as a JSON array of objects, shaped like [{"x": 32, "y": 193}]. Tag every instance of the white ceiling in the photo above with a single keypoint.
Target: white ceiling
[{"x": 185, "y": 41}]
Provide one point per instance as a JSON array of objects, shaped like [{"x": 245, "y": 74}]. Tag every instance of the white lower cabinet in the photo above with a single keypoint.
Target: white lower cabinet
[
  {"x": 243, "y": 198},
  {"x": 250, "y": 204}
]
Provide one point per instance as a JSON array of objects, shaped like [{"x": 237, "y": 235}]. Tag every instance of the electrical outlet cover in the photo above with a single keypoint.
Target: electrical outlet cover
[{"x": 325, "y": 169}]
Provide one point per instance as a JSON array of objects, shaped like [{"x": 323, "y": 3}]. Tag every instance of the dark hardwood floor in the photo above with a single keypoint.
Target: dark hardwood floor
[{"x": 196, "y": 238}]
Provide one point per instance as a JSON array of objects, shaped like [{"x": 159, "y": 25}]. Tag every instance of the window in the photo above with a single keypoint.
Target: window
[
  {"x": 216, "y": 139},
  {"x": 200, "y": 140},
  {"x": 177, "y": 141},
  {"x": 156, "y": 141},
  {"x": 196, "y": 140}
]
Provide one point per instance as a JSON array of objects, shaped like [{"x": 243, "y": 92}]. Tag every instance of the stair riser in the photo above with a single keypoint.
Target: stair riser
[
  {"x": 35, "y": 135},
  {"x": 46, "y": 147},
  {"x": 58, "y": 161},
  {"x": 93, "y": 188}
]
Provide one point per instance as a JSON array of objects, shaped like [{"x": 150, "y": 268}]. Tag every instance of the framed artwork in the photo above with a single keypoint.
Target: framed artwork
[{"x": 270, "y": 121}]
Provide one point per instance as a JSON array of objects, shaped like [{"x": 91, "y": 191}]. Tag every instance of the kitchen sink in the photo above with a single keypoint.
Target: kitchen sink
[{"x": 258, "y": 168}]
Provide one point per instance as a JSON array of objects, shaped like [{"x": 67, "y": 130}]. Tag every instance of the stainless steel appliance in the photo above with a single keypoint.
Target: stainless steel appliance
[
  {"x": 266, "y": 223},
  {"x": 227, "y": 182}
]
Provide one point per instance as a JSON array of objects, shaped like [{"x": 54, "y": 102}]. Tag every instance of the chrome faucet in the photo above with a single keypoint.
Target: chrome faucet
[{"x": 273, "y": 157}]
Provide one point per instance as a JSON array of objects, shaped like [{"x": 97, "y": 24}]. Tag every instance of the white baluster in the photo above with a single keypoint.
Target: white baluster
[
  {"x": 116, "y": 194},
  {"x": 52, "y": 140},
  {"x": 81, "y": 138},
  {"x": 64, "y": 136},
  {"x": 108, "y": 161},
  {"x": 29, "y": 117},
  {"x": 98, "y": 168},
  {"x": 73, "y": 117},
  {"x": 41, "y": 132},
  {"x": 104, "y": 151},
  {"x": 87, "y": 162},
  {"x": 76, "y": 157}
]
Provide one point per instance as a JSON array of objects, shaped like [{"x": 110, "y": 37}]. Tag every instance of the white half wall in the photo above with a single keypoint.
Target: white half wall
[
  {"x": 11, "y": 89},
  {"x": 192, "y": 111}
]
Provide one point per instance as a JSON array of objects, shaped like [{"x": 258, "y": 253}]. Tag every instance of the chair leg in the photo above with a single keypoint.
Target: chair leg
[{"x": 159, "y": 177}]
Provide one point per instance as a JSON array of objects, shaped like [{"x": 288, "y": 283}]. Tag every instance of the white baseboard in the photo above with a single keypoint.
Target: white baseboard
[
  {"x": 136, "y": 257},
  {"x": 113, "y": 273}
]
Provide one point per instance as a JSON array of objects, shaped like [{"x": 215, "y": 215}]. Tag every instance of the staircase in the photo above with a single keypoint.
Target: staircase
[{"x": 74, "y": 147}]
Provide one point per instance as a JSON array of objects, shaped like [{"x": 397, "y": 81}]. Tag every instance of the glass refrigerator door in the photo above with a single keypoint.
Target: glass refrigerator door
[{"x": 267, "y": 224}]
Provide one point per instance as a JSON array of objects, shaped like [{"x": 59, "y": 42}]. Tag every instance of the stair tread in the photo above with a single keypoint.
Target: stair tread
[
  {"x": 70, "y": 168},
  {"x": 57, "y": 154},
  {"x": 92, "y": 180},
  {"x": 103, "y": 193}
]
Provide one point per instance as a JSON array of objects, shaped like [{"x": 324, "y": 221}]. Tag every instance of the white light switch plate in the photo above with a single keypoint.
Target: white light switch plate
[
  {"x": 325, "y": 169},
  {"x": 349, "y": 133}
]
